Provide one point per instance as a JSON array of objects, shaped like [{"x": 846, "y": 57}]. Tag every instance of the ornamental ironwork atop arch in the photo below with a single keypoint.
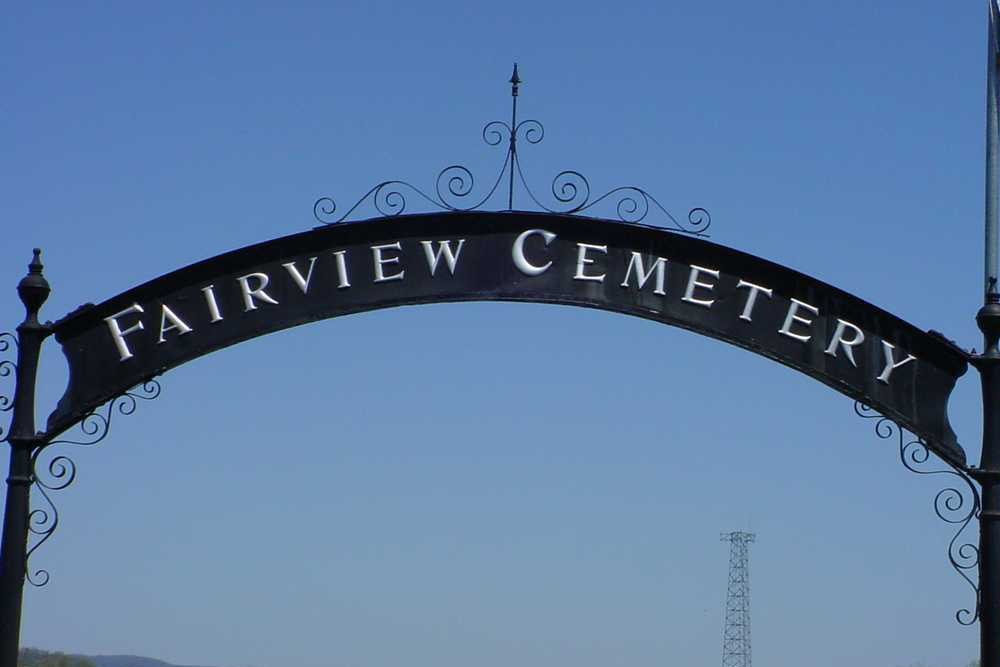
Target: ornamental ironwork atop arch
[{"x": 454, "y": 187}]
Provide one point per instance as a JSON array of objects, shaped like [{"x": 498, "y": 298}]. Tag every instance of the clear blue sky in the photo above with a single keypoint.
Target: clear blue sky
[{"x": 497, "y": 484}]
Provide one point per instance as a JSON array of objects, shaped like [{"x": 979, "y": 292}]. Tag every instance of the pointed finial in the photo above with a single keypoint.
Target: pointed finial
[
  {"x": 515, "y": 80},
  {"x": 33, "y": 288},
  {"x": 36, "y": 266}
]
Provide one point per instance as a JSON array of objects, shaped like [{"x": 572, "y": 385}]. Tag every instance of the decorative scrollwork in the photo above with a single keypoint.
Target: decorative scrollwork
[
  {"x": 59, "y": 472},
  {"x": 455, "y": 185},
  {"x": 533, "y": 131},
  {"x": 8, "y": 369},
  {"x": 7, "y": 341},
  {"x": 571, "y": 190},
  {"x": 957, "y": 505},
  {"x": 388, "y": 198},
  {"x": 494, "y": 132}
]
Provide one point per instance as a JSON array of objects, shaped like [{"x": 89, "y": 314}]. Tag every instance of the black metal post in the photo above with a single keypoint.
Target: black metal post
[
  {"x": 988, "y": 476},
  {"x": 33, "y": 290}
]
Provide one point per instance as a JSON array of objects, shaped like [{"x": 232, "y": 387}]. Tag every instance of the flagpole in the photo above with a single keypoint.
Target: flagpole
[{"x": 992, "y": 141}]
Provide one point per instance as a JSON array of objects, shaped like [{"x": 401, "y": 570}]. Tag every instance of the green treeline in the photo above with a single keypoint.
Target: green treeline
[{"x": 33, "y": 657}]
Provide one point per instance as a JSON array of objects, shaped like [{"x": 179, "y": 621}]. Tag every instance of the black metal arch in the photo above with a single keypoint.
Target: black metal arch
[
  {"x": 900, "y": 376},
  {"x": 680, "y": 280}
]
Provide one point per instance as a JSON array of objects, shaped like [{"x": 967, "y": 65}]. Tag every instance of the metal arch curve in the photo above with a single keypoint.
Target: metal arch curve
[{"x": 360, "y": 266}]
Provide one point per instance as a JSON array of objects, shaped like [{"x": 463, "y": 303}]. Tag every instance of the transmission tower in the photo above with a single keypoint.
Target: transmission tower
[{"x": 736, "y": 634}]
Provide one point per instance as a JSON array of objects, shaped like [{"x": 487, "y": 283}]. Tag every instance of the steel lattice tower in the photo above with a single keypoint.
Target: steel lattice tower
[{"x": 736, "y": 634}]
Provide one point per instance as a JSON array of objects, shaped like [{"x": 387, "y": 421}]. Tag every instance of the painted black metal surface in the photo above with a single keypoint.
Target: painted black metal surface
[{"x": 855, "y": 348}]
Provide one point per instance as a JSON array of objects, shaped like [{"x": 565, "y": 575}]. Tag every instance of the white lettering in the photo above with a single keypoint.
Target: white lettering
[
  {"x": 517, "y": 251},
  {"x": 213, "y": 306},
  {"x": 890, "y": 364},
  {"x": 582, "y": 261},
  {"x": 175, "y": 323},
  {"x": 792, "y": 317},
  {"x": 341, "y": 269},
  {"x": 257, "y": 292},
  {"x": 116, "y": 331},
  {"x": 693, "y": 283},
  {"x": 641, "y": 275},
  {"x": 293, "y": 271},
  {"x": 444, "y": 248},
  {"x": 380, "y": 276},
  {"x": 752, "y": 298},
  {"x": 846, "y": 345}
]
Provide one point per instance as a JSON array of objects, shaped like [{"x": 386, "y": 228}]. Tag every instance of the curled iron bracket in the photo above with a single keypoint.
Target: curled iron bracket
[
  {"x": 571, "y": 192},
  {"x": 958, "y": 504},
  {"x": 8, "y": 369},
  {"x": 58, "y": 472}
]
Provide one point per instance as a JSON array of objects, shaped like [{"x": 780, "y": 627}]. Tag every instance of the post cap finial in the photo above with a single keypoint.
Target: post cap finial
[
  {"x": 34, "y": 288},
  {"x": 36, "y": 266},
  {"x": 988, "y": 319}
]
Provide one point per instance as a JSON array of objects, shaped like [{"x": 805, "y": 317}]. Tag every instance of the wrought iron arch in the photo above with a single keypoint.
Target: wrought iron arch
[{"x": 900, "y": 376}]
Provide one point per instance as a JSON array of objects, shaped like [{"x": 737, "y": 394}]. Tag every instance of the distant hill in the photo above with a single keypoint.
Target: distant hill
[
  {"x": 33, "y": 657},
  {"x": 128, "y": 661}
]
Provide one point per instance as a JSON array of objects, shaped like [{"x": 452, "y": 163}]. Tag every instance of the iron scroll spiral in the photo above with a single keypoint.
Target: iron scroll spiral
[
  {"x": 454, "y": 190},
  {"x": 958, "y": 504},
  {"x": 8, "y": 368},
  {"x": 59, "y": 472}
]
